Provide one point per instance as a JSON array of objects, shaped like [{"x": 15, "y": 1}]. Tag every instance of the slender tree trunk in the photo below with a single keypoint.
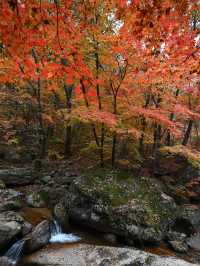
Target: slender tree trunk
[
  {"x": 43, "y": 135},
  {"x": 141, "y": 141},
  {"x": 43, "y": 139},
  {"x": 100, "y": 108},
  {"x": 157, "y": 138},
  {"x": 191, "y": 122},
  {"x": 114, "y": 141},
  {"x": 68, "y": 129},
  {"x": 172, "y": 117},
  {"x": 187, "y": 133},
  {"x": 102, "y": 145},
  {"x": 87, "y": 105},
  {"x": 157, "y": 135},
  {"x": 68, "y": 142},
  {"x": 168, "y": 137}
]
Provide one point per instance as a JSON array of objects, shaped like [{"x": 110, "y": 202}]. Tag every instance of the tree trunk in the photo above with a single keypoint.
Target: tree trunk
[
  {"x": 87, "y": 105},
  {"x": 68, "y": 142},
  {"x": 100, "y": 107},
  {"x": 168, "y": 138},
  {"x": 102, "y": 145},
  {"x": 114, "y": 149},
  {"x": 114, "y": 142},
  {"x": 187, "y": 133},
  {"x": 43, "y": 139},
  {"x": 172, "y": 117},
  {"x": 141, "y": 141},
  {"x": 157, "y": 138},
  {"x": 68, "y": 131}
]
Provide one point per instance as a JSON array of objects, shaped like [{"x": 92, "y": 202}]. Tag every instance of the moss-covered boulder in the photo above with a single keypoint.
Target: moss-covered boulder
[
  {"x": 135, "y": 209},
  {"x": 178, "y": 164}
]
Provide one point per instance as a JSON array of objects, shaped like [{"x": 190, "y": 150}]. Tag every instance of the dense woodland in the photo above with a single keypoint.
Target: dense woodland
[{"x": 108, "y": 81}]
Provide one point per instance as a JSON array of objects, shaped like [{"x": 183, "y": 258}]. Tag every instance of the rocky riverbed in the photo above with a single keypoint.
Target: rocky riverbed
[{"x": 127, "y": 209}]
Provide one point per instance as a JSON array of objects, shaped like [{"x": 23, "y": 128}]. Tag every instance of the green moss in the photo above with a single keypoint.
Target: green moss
[{"x": 123, "y": 189}]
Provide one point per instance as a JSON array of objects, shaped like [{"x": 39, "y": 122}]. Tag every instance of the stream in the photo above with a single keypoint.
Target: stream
[
  {"x": 58, "y": 240},
  {"x": 73, "y": 240}
]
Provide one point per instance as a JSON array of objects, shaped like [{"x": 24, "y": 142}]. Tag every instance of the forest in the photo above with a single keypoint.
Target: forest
[{"x": 100, "y": 130}]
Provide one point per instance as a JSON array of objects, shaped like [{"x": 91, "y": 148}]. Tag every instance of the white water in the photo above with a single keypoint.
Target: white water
[
  {"x": 58, "y": 237},
  {"x": 15, "y": 251}
]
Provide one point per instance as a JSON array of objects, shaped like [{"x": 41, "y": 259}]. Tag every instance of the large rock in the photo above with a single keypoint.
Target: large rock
[
  {"x": 39, "y": 237},
  {"x": 179, "y": 168},
  {"x": 134, "y": 209},
  {"x": 10, "y": 227},
  {"x": 4, "y": 261},
  {"x": 178, "y": 164},
  {"x": 194, "y": 242},
  {"x": 188, "y": 220},
  {"x": 90, "y": 255},
  {"x": 16, "y": 176}
]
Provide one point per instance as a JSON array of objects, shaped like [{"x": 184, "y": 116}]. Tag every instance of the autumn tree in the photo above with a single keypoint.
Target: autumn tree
[{"x": 119, "y": 67}]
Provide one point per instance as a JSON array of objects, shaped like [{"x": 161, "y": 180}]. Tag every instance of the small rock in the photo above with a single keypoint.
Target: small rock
[
  {"x": 152, "y": 235},
  {"x": 35, "y": 200},
  {"x": 46, "y": 179},
  {"x": 2, "y": 185},
  {"x": 173, "y": 235},
  {"x": 179, "y": 246}
]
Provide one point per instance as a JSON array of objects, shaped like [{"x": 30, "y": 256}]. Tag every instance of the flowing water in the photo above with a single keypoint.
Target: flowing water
[
  {"x": 57, "y": 236},
  {"x": 15, "y": 251}
]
